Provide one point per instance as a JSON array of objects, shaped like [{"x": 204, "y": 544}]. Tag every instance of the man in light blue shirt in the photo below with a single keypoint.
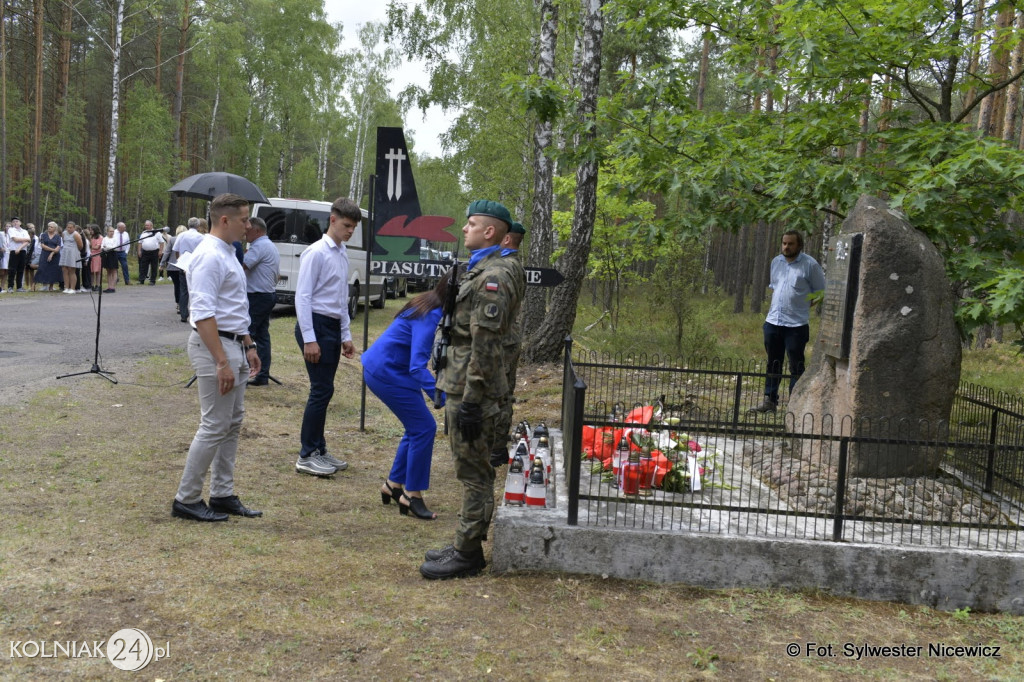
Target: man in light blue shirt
[
  {"x": 262, "y": 266},
  {"x": 794, "y": 277},
  {"x": 322, "y": 331}
]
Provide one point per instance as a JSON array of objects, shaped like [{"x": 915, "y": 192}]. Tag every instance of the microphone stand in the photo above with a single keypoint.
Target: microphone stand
[{"x": 95, "y": 369}]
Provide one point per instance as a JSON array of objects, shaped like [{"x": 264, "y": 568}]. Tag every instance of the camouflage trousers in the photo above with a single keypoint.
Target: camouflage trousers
[
  {"x": 503, "y": 423},
  {"x": 473, "y": 469}
]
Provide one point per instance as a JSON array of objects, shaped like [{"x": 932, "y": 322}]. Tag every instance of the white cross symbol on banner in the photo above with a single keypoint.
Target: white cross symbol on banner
[{"x": 394, "y": 172}]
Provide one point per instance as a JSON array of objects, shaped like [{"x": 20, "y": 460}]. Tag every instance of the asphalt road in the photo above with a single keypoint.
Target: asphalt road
[{"x": 43, "y": 335}]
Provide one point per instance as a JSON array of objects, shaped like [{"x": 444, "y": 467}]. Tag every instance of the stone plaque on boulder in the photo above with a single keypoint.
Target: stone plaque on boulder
[
  {"x": 841, "y": 284},
  {"x": 902, "y": 368}
]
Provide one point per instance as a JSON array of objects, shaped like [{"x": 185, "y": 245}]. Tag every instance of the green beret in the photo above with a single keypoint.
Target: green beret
[
  {"x": 517, "y": 228},
  {"x": 489, "y": 208}
]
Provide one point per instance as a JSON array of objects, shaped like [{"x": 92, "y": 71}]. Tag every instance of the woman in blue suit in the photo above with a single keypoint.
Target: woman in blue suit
[{"x": 395, "y": 369}]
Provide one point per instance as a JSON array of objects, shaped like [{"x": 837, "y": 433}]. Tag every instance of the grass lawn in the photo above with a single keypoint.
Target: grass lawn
[{"x": 325, "y": 585}]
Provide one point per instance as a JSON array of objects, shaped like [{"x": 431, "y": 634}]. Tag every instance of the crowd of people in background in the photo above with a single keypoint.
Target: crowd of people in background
[{"x": 78, "y": 259}]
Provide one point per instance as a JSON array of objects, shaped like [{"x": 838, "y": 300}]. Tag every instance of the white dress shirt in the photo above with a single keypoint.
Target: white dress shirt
[
  {"x": 322, "y": 287},
  {"x": 187, "y": 241},
  {"x": 216, "y": 286},
  {"x": 17, "y": 233}
]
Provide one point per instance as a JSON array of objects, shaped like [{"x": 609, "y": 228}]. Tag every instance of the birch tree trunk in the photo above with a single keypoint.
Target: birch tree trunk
[
  {"x": 213, "y": 126},
  {"x": 546, "y": 343},
  {"x": 115, "y": 101},
  {"x": 362, "y": 123},
  {"x": 541, "y": 242}
]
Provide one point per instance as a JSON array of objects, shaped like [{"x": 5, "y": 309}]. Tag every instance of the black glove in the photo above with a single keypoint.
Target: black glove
[{"x": 470, "y": 420}]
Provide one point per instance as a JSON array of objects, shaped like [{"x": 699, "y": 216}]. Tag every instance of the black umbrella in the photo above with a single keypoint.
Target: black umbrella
[{"x": 209, "y": 185}]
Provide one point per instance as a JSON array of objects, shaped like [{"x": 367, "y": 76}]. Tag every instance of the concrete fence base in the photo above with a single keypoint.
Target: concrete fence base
[{"x": 942, "y": 578}]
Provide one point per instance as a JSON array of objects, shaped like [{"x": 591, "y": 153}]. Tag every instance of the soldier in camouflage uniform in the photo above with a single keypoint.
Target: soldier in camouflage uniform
[
  {"x": 475, "y": 384},
  {"x": 511, "y": 344}
]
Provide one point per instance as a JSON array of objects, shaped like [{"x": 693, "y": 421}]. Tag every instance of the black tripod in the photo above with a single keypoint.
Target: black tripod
[{"x": 95, "y": 369}]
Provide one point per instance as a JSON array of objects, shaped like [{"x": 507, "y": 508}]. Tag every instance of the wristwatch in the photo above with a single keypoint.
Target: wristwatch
[{"x": 251, "y": 346}]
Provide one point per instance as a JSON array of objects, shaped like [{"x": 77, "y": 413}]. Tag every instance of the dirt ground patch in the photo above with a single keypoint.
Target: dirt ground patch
[{"x": 325, "y": 585}]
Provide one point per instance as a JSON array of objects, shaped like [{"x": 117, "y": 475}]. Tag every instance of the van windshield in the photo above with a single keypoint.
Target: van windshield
[{"x": 294, "y": 225}]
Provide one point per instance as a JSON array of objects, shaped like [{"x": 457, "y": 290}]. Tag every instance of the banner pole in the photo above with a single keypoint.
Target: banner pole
[{"x": 372, "y": 230}]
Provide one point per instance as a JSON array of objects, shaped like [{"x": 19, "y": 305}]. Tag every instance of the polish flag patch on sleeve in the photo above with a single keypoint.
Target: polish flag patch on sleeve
[{"x": 492, "y": 285}]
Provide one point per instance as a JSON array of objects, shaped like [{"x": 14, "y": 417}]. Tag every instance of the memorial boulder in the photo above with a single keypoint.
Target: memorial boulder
[{"x": 886, "y": 362}]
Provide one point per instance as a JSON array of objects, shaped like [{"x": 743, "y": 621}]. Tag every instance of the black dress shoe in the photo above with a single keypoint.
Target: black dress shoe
[
  {"x": 257, "y": 382},
  {"x": 197, "y": 511},
  {"x": 233, "y": 505},
  {"x": 455, "y": 565}
]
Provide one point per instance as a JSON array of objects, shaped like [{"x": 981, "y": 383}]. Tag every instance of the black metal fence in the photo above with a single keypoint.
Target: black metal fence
[{"x": 712, "y": 465}]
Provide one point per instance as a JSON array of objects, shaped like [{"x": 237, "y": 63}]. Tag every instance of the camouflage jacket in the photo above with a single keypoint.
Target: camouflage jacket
[
  {"x": 488, "y": 294},
  {"x": 514, "y": 336}
]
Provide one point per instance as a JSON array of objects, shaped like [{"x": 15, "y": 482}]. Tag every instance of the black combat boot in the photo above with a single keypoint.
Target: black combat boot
[{"x": 454, "y": 565}]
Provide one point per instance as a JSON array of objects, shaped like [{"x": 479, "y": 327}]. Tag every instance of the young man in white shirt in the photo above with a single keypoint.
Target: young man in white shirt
[
  {"x": 223, "y": 357},
  {"x": 322, "y": 331}
]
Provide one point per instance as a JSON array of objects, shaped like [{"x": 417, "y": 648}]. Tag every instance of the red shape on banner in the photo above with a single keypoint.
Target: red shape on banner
[{"x": 430, "y": 227}]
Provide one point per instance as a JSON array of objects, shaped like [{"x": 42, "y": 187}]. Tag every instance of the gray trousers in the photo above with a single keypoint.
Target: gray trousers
[{"x": 220, "y": 419}]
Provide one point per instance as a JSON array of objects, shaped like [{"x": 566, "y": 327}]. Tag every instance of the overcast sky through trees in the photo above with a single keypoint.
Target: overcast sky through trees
[{"x": 429, "y": 128}]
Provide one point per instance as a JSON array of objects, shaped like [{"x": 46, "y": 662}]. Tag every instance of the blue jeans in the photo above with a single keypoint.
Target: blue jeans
[
  {"x": 122, "y": 258},
  {"x": 260, "y": 307},
  {"x": 411, "y": 466},
  {"x": 783, "y": 342},
  {"x": 321, "y": 382}
]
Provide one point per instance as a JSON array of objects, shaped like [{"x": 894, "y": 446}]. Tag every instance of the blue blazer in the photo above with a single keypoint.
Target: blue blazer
[{"x": 401, "y": 354}]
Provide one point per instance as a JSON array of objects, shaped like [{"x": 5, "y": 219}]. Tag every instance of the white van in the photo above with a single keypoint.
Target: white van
[{"x": 294, "y": 224}]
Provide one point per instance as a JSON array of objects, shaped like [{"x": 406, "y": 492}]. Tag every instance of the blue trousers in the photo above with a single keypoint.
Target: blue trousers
[
  {"x": 415, "y": 452},
  {"x": 122, "y": 258},
  {"x": 321, "y": 382},
  {"x": 260, "y": 307},
  {"x": 780, "y": 343}
]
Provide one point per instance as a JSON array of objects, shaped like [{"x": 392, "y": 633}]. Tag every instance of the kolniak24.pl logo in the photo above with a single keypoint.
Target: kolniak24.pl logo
[{"x": 127, "y": 649}]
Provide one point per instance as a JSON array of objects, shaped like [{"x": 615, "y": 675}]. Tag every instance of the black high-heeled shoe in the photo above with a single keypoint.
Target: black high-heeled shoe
[
  {"x": 417, "y": 506},
  {"x": 387, "y": 493}
]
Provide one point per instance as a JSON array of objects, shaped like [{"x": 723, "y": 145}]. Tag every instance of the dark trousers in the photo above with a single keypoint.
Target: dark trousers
[
  {"x": 174, "y": 275},
  {"x": 183, "y": 296},
  {"x": 148, "y": 262},
  {"x": 122, "y": 258},
  {"x": 474, "y": 471},
  {"x": 16, "y": 269},
  {"x": 84, "y": 276},
  {"x": 783, "y": 342},
  {"x": 321, "y": 382},
  {"x": 260, "y": 307}
]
